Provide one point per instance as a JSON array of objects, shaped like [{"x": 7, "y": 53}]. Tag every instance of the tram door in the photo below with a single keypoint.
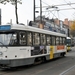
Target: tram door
[{"x": 51, "y": 52}]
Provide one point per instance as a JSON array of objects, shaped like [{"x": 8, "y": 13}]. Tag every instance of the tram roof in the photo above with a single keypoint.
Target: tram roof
[{"x": 29, "y": 28}]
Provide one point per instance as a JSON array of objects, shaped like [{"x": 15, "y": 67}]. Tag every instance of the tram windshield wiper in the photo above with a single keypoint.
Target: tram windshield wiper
[{"x": 3, "y": 44}]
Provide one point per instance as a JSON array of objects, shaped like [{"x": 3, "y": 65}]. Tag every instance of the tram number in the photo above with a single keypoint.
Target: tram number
[{"x": 23, "y": 49}]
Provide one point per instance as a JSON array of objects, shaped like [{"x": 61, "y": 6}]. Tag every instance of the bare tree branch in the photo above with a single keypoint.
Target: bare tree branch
[{"x": 13, "y": 2}]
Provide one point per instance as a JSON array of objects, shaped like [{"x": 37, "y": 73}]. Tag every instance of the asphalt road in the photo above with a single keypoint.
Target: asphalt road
[{"x": 59, "y": 66}]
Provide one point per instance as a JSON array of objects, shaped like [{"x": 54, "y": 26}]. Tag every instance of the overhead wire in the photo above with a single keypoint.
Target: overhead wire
[
  {"x": 60, "y": 9},
  {"x": 49, "y": 10},
  {"x": 59, "y": 5},
  {"x": 69, "y": 4}
]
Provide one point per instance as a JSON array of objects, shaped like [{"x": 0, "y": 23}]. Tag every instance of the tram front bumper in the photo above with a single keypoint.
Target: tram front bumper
[{"x": 4, "y": 63}]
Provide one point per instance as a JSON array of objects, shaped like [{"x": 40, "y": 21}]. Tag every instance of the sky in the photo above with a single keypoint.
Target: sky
[{"x": 25, "y": 10}]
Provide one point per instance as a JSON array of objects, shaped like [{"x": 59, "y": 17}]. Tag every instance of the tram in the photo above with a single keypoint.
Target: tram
[
  {"x": 23, "y": 45},
  {"x": 68, "y": 43}
]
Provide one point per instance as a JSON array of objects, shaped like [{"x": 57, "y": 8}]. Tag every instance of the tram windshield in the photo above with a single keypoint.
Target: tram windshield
[
  {"x": 68, "y": 42},
  {"x": 8, "y": 38}
]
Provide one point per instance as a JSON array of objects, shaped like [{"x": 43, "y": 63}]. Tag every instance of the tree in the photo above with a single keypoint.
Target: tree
[
  {"x": 72, "y": 28},
  {"x": 13, "y": 2}
]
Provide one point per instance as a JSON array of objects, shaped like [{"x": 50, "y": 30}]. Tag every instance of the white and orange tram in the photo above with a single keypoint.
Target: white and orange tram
[{"x": 23, "y": 45}]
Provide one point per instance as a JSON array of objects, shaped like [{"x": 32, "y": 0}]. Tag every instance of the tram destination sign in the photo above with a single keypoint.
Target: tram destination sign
[{"x": 5, "y": 27}]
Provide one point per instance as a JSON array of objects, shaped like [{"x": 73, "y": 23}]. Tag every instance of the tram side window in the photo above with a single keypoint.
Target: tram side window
[
  {"x": 64, "y": 41},
  {"x": 53, "y": 40},
  {"x": 57, "y": 40},
  {"x": 22, "y": 38},
  {"x": 48, "y": 40},
  {"x": 43, "y": 39},
  {"x": 29, "y": 38},
  {"x": 61, "y": 41},
  {"x": 36, "y": 39}
]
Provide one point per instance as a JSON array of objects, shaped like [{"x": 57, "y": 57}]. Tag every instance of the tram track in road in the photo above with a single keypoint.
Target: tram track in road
[
  {"x": 56, "y": 65},
  {"x": 66, "y": 71}
]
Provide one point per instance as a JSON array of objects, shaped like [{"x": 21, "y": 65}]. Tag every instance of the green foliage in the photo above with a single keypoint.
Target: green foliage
[
  {"x": 72, "y": 32},
  {"x": 72, "y": 28}
]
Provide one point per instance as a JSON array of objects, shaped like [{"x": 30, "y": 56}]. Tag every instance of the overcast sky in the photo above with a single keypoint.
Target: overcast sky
[{"x": 25, "y": 10}]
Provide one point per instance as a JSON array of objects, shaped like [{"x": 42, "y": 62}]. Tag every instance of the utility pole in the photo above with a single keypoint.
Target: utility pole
[
  {"x": 34, "y": 10},
  {"x": 16, "y": 12},
  {"x": 0, "y": 16},
  {"x": 41, "y": 11}
]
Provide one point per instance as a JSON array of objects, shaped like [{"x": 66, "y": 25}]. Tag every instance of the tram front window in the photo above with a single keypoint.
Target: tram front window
[
  {"x": 8, "y": 39},
  {"x": 68, "y": 42}
]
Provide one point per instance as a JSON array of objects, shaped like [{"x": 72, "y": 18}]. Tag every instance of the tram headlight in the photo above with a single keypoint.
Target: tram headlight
[{"x": 1, "y": 53}]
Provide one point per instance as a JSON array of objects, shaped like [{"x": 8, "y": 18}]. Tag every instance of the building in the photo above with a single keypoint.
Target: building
[{"x": 66, "y": 24}]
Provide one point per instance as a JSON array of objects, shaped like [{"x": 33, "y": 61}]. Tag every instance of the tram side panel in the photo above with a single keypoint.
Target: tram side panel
[{"x": 15, "y": 56}]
